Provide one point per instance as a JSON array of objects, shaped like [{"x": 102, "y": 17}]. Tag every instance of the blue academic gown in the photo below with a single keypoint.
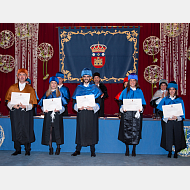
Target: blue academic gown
[
  {"x": 66, "y": 94},
  {"x": 130, "y": 127},
  {"x": 57, "y": 124},
  {"x": 87, "y": 132},
  {"x": 172, "y": 131}
]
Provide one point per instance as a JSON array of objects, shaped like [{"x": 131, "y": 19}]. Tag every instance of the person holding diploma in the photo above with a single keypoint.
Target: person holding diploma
[
  {"x": 53, "y": 121},
  {"x": 64, "y": 91},
  {"x": 87, "y": 117},
  {"x": 21, "y": 116},
  {"x": 172, "y": 128},
  {"x": 131, "y": 121}
]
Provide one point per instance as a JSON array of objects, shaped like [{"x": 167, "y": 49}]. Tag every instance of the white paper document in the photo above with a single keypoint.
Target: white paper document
[
  {"x": 84, "y": 101},
  {"x": 172, "y": 110},
  {"x": 52, "y": 104},
  {"x": 132, "y": 104},
  {"x": 20, "y": 98}
]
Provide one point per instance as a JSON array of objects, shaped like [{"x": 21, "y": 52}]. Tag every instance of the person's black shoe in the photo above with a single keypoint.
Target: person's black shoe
[
  {"x": 93, "y": 154},
  {"x": 169, "y": 154},
  {"x": 16, "y": 153},
  {"x": 133, "y": 153},
  {"x": 76, "y": 153},
  {"x": 51, "y": 151},
  {"x": 27, "y": 153},
  {"x": 175, "y": 155},
  {"x": 57, "y": 152}
]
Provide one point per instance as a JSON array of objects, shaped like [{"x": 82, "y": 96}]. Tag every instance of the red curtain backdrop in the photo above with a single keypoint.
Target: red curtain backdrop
[{"x": 48, "y": 32}]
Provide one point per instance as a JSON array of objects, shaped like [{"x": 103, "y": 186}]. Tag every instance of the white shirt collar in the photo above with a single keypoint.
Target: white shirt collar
[
  {"x": 22, "y": 86},
  {"x": 163, "y": 90},
  {"x": 173, "y": 97},
  {"x": 86, "y": 85},
  {"x": 59, "y": 86},
  {"x": 133, "y": 88},
  {"x": 53, "y": 90}
]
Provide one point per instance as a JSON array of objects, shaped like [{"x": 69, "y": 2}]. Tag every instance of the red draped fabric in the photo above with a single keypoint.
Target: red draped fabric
[{"x": 48, "y": 32}]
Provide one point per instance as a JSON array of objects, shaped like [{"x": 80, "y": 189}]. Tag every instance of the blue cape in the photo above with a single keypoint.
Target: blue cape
[
  {"x": 65, "y": 92},
  {"x": 53, "y": 95},
  {"x": 168, "y": 101},
  {"x": 81, "y": 90},
  {"x": 132, "y": 95}
]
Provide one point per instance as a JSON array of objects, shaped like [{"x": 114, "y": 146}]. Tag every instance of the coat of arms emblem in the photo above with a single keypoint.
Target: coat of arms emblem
[{"x": 98, "y": 55}]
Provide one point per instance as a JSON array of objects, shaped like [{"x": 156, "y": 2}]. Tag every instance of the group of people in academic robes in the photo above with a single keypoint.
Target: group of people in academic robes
[{"x": 87, "y": 129}]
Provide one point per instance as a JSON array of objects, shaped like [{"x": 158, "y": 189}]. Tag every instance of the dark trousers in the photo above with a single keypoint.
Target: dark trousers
[
  {"x": 17, "y": 146},
  {"x": 92, "y": 147}
]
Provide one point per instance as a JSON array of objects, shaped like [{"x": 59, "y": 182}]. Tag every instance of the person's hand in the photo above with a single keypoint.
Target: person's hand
[
  {"x": 102, "y": 95},
  {"x": 56, "y": 110},
  {"x": 174, "y": 117},
  {"x": 22, "y": 106},
  {"x": 166, "y": 93},
  {"x": 46, "y": 111},
  {"x": 81, "y": 108},
  {"x": 16, "y": 106},
  {"x": 89, "y": 108},
  {"x": 162, "y": 95}
]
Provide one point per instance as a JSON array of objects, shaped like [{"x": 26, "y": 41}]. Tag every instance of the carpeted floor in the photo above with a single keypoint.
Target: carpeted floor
[{"x": 65, "y": 159}]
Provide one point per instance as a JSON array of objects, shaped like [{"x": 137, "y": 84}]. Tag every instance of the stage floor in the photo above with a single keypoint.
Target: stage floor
[{"x": 101, "y": 159}]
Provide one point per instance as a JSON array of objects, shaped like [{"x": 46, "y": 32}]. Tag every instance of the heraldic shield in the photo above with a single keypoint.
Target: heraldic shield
[{"x": 98, "y": 58}]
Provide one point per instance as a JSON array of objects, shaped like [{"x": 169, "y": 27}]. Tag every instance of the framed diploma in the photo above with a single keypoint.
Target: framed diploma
[
  {"x": 132, "y": 104},
  {"x": 52, "y": 104},
  {"x": 20, "y": 98},
  {"x": 84, "y": 101},
  {"x": 172, "y": 110}
]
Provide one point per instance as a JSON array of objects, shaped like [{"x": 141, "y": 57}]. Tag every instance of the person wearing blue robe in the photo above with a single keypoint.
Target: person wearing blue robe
[
  {"x": 172, "y": 128},
  {"x": 87, "y": 131},
  {"x": 131, "y": 121},
  {"x": 28, "y": 81},
  {"x": 53, "y": 120},
  {"x": 64, "y": 91}
]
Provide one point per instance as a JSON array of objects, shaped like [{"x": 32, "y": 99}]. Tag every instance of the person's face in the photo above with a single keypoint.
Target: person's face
[
  {"x": 86, "y": 78},
  {"x": 125, "y": 84},
  {"x": 60, "y": 80},
  {"x": 163, "y": 86},
  {"x": 97, "y": 79},
  {"x": 53, "y": 85},
  {"x": 133, "y": 83},
  {"x": 22, "y": 77},
  {"x": 172, "y": 91}
]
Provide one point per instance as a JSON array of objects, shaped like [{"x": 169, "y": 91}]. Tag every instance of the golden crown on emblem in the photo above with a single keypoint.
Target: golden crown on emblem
[{"x": 98, "y": 47}]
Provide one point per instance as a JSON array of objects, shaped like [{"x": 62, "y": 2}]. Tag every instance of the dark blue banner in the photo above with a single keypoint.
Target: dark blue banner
[{"x": 113, "y": 52}]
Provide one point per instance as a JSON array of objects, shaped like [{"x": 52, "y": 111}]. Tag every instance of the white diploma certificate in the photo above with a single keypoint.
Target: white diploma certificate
[
  {"x": 52, "y": 104},
  {"x": 172, "y": 110},
  {"x": 84, "y": 101},
  {"x": 20, "y": 98},
  {"x": 132, "y": 104}
]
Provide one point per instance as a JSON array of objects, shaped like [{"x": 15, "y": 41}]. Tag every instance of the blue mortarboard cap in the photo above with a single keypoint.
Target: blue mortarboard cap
[
  {"x": 86, "y": 71},
  {"x": 28, "y": 80},
  {"x": 172, "y": 84},
  {"x": 60, "y": 74},
  {"x": 132, "y": 76},
  {"x": 54, "y": 78}
]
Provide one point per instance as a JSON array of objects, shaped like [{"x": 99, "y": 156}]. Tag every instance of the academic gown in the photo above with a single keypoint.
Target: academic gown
[
  {"x": 21, "y": 120},
  {"x": 87, "y": 131},
  {"x": 172, "y": 131},
  {"x": 66, "y": 94},
  {"x": 130, "y": 127},
  {"x": 57, "y": 124},
  {"x": 104, "y": 90}
]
